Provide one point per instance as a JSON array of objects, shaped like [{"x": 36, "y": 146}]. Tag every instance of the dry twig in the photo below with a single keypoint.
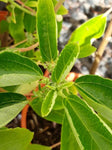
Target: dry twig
[
  {"x": 23, "y": 5},
  {"x": 101, "y": 48},
  {"x": 13, "y": 46},
  {"x": 58, "y": 5},
  {"x": 55, "y": 145}
]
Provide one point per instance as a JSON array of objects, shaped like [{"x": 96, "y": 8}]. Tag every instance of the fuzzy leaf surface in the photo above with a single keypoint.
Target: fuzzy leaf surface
[
  {"x": 46, "y": 28},
  {"x": 16, "y": 69},
  {"x": 97, "y": 92},
  {"x": 65, "y": 62},
  {"x": 48, "y": 103},
  {"x": 68, "y": 141},
  {"x": 82, "y": 119}
]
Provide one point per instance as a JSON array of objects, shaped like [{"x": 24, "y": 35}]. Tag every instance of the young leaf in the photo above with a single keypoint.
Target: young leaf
[
  {"x": 15, "y": 139},
  {"x": 65, "y": 62},
  {"x": 55, "y": 115},
  {"x": 89, "y": 130},
  {"x": 48, "y": 102},
  {"x": 97, "y": 91},
  {"x": 92, "y": 29},
  {"x": 68, "y": 141},
  {"x": 38, "y": 147},
  {"x": 10, "y": 106},
  {"x": 16, "y": 69},
  {"x": 17, "y": 29},
  {"x": 46, "y": 27}
]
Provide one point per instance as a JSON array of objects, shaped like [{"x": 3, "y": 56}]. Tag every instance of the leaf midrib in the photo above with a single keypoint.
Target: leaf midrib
[
  {"x": 91, "y": 96},
  {"x": 65, "y": 65},
  {"x": 25, "y": 65},
  {"x": 83, "y": 123},
  {"x": 93, "y": 83}
]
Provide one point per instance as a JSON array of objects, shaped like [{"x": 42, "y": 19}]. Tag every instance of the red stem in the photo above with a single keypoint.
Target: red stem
[
  {"x": 25, "y": 109},
  {"x": 24, "y": 116}
]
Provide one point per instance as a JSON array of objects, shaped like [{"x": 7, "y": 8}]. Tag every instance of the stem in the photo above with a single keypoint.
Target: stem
[
  {"x": 107, "y": 12},
  {"x": 58, "y": 5},
  {"x": 13, "y": 46},
  {"x": 55, "y": 145},
  {"x": 28, "y": 48},
  {"x": 101, "y": 48},
  {"x": 2, "y": 90},
  {"x": 22, "y": 4},
  {"x": 24, "y": 116},
  {"x": 25, "y": 109},
  {"x": 21, "y": 8}
]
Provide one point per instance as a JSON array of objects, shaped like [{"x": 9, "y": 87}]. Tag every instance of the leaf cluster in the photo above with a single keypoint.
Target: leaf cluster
[{"x": 86, "y": 119}]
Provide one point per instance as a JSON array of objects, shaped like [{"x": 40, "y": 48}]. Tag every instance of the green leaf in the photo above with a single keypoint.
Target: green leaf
[
  {"x": 86, "y": 50},
  {"x": 58, "y": 103},
  {"x": 46, "y": 27},
  {"x": 89, "y": 130},
  {"x": 55, "y": 115},
  {"x": 62, "y": 10},
  {"x": 16, "y": 69},
  {"x": 68, "y": 141},
  {"x": 10, "y": 105},
  {"x": 30, "y": 26},
  {"x": 38, "y": 147},
  {"x": 23, "y": 88},
  {"x": 92, "y": 29},
  {"x": 17, "y": 29},
  {"x": 97, "y": 91},
  {"x": 48, "y": 103},
  {"x": 15, "y": 139},
  {"x": 65, "y": 62}
]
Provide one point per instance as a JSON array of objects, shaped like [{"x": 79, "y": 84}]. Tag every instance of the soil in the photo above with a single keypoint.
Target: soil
[{"x": 45, "y": 132}]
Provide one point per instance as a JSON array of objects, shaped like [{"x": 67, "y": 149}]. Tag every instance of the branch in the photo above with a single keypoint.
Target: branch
[
  {"x": 22, "y": 8},
  {"x": 101, "y": 48},
  {"x": 13, "y": 46},
  {"x": 58, "y": 5},
  {"x": 28, "y": 48},
  {"x": 55, "y": 145},
  {"x": 23, "y": 5}
]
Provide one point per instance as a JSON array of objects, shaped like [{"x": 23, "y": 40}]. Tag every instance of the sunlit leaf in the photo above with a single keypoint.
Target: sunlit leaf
[
  {"x": 16, "y": 69},
  {"x": 92, "y": 29},
  {"x": 65, "y": 62}
]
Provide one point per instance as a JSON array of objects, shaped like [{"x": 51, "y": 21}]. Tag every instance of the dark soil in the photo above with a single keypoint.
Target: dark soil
[{"x": 45, "y": 132}]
